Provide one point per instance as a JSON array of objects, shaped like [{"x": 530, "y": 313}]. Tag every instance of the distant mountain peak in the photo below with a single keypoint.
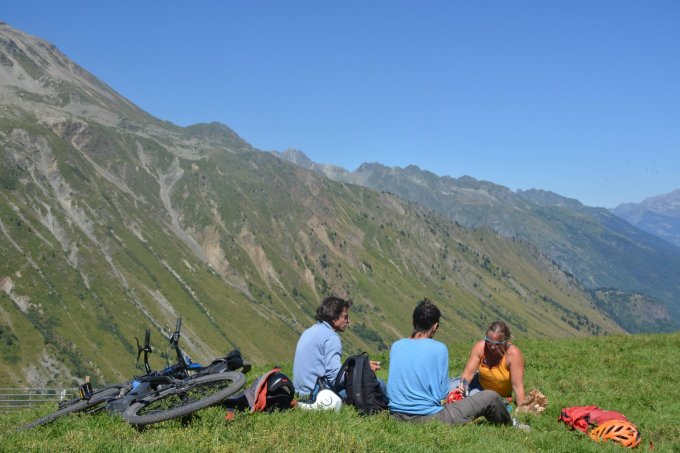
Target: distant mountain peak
[
  {"x": 659, "y": 215},
  {"x": 35, "y": 72},
  {"x": 371, "y": 166},
  {"x": 219, "y": 133},
  {"x": 548, "y": 198},
  {"x": 297, "y": 157}
]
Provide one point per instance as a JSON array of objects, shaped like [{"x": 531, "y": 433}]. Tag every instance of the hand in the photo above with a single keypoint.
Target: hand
[{"x": 375, "y": 365}]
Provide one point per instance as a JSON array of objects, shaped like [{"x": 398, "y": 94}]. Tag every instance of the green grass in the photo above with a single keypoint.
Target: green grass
[{"x": 631, "y": 374}]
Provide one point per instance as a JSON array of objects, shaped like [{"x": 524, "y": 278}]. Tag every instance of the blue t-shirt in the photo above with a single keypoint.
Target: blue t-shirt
[
  {"x": 419, "y": 376},
  {"x": 317, "y": 354}
]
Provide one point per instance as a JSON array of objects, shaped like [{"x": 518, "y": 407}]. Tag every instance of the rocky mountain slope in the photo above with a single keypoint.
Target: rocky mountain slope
[
  {"x": 595, "y": 246},
  {"x": 659, "y": 215},
  {"x": 112, "y": 221}
]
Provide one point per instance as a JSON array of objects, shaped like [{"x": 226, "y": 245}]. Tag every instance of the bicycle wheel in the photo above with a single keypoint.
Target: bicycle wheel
[
  {"x": 190, "y": 396},
  {"x": 77, "y": 405}
]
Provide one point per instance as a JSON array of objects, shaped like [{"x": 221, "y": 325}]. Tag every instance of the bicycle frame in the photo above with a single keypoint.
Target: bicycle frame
[
  {"x": 152, "y": 381},
  {"x": 219, "y": 380}
]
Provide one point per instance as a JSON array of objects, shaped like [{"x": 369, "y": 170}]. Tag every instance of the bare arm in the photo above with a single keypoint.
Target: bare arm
[
  {"x": 515, "y": 361},
  {"x": 473, "y": 362}
]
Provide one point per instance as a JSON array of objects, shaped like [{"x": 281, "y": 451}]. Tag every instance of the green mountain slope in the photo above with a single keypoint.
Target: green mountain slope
[
  {"x": 594, "y": 245},
  {"x": 112, "y": 221}
]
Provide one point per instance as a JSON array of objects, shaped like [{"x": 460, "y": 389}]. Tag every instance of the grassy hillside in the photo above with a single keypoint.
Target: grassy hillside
[
  {"x": 594, "y": 245},
  {"x": 630, "y": 374},
  {"x": 110, "y": 232}
]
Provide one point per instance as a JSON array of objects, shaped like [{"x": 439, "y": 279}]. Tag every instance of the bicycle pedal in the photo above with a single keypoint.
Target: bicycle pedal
[{"x": 86, "y": 391}]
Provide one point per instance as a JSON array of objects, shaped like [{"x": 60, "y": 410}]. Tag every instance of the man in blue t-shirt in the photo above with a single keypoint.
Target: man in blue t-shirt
[{"x": 418, "y": 379}]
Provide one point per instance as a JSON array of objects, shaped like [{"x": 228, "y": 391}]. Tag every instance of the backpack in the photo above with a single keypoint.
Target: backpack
[
  {"x": 361, "y": 383},
  {"x": 585, "y": 417},
  {"x": 231, "y": 362},
  {"x": 270, "y": 391}
]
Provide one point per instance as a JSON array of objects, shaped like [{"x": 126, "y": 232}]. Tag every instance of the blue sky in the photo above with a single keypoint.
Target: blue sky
[{"x": 578, "y": 97}]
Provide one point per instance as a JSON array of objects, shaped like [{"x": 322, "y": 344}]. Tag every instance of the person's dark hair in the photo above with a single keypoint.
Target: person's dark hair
[
  {"x": 500, "y": 327},
  {"x": 425, "y": 315},
  {"x": 331, "y": 308}
]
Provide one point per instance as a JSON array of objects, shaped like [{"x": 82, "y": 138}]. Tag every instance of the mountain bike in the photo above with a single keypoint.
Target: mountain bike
[{"x": 176, "y": 391}]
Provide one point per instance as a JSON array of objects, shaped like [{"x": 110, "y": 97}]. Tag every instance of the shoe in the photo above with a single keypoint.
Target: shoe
[
  {"x": 325, "y": 400},
  {"x": 520, "y": 426}
]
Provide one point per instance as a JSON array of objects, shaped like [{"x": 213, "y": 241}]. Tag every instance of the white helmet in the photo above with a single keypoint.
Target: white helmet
[{"x": 325, "y": 400}]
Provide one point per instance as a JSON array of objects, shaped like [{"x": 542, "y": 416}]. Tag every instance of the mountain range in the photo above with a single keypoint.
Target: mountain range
[
  {"x": 658, "y": 215},
  {"x": 596, "y": 246},
  {"x": 112, "y": 221}
]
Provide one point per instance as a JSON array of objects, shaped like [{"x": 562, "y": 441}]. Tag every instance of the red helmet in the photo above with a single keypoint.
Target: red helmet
[{"x": 619, "y": 431}]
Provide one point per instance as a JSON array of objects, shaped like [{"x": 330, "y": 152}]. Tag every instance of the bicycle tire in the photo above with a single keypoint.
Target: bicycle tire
[
  {"x": 77, "y": 405},
  {"x": 175, "y": 402}
]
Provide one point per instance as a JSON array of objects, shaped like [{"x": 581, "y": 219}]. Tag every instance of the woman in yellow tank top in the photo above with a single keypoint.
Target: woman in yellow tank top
[{"x": 496, "y": 364}]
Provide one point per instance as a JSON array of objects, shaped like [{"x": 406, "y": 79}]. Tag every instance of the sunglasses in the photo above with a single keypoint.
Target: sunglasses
[{"x": 495, "y": 343}]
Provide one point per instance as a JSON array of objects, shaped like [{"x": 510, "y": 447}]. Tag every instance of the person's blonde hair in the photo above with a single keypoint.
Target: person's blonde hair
[{"x": 500, "y": 327}]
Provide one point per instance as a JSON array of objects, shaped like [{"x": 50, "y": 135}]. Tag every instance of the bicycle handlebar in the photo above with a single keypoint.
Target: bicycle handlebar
[
  {"x": 147, "y": 350},
  {"x": 182, "y": 358},
  {"x": 174, "y": 338},
  {"x": 183, "y": 361}
]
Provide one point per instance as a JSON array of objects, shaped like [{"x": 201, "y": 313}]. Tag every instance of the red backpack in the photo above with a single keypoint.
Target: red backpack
[
  {"x": 585, "y": 417},
  {"x": 270, "y": 391}
]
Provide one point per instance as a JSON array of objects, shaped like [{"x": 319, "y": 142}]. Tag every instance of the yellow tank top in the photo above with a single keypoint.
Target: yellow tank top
[{"x": 496, "y": 378}]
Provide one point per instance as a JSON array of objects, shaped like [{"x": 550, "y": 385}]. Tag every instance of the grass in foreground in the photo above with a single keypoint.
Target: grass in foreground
[{"x": 632, "y": 374}]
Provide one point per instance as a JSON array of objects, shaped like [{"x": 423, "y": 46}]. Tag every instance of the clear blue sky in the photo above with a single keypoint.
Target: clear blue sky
[{"x": 578, "y": 97}]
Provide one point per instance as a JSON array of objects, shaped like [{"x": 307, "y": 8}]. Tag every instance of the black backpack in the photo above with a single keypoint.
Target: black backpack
[
  {"x": 363, "y": 388},
  {"x": 231, "y": 362}
]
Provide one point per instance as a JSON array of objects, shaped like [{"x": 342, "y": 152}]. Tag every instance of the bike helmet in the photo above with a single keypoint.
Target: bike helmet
[
  {"x": 325, "y": 400},
  {"x": 280, "y": 392},
  {"x": 279, "y": 383},
  {"x": 619, "y": 431}
]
